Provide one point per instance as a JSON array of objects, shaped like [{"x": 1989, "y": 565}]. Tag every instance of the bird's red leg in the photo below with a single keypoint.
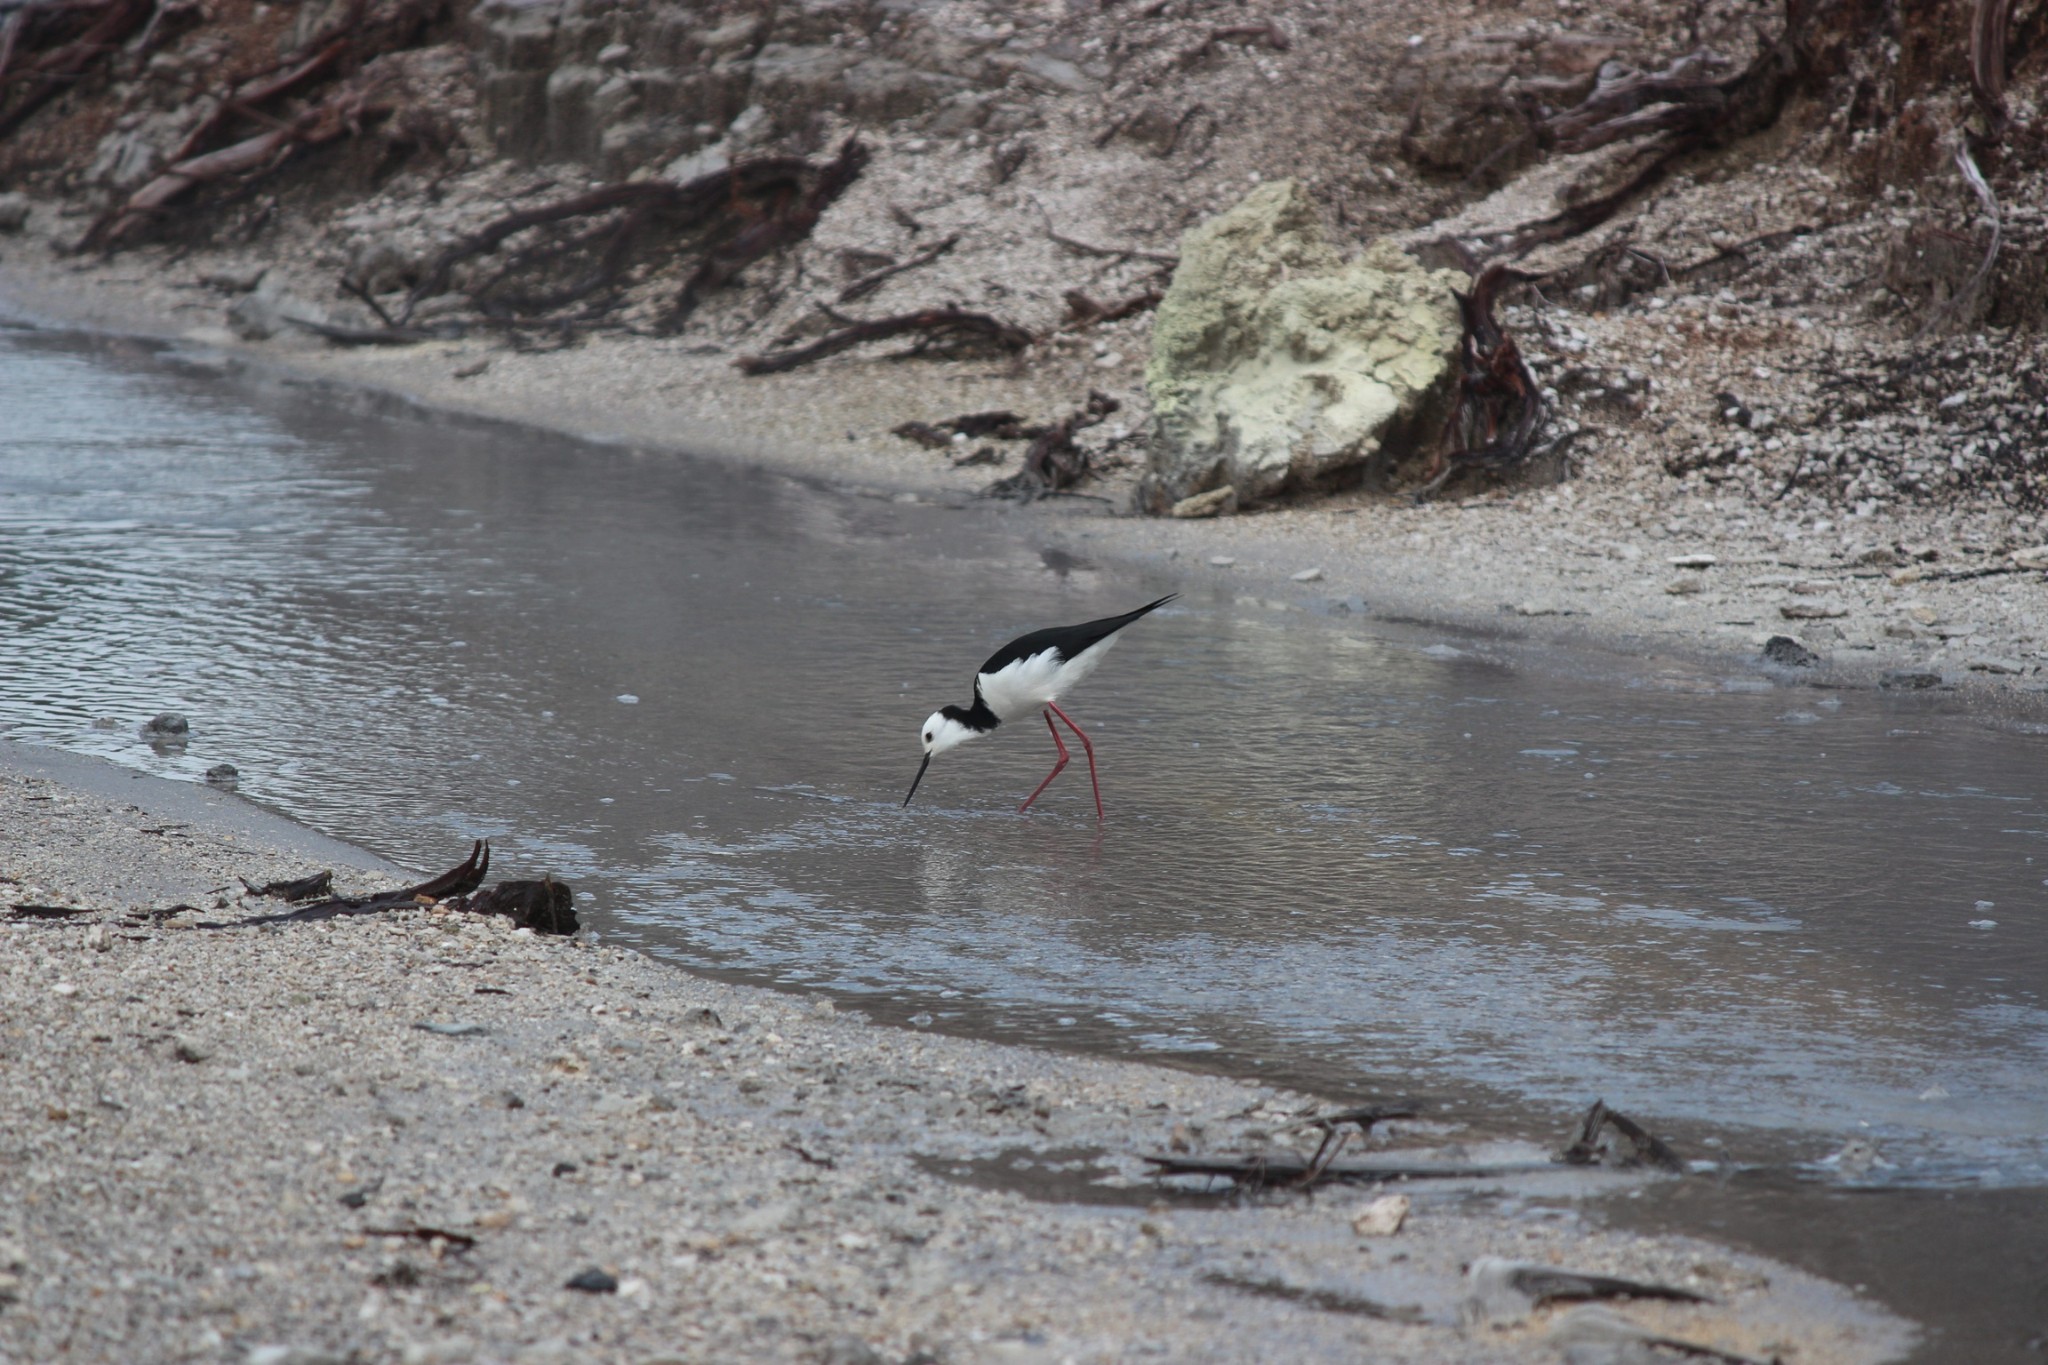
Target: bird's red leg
[
  {"x": 1055, "y": 767},
  {"x": 1087, "y": 748}
]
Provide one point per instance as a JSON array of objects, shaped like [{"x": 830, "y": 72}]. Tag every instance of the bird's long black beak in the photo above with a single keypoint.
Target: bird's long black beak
[{"x": 919, "y": 778}]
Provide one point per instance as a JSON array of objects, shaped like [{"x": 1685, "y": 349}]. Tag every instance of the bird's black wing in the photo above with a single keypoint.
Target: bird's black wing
[{"x": 1068, "y": 640}]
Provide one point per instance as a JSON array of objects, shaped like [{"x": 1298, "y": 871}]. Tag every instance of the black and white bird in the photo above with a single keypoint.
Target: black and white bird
[{"x": 1030, "y": 672}]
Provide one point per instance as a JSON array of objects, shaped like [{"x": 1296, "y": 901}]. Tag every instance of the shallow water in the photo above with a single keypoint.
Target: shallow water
[{"x": 1370, "y": 858}]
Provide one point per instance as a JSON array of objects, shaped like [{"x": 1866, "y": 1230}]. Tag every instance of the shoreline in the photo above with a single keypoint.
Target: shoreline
[
  {"x": 1581, "y": 576},
  {"x": 399, "y": 1136}
]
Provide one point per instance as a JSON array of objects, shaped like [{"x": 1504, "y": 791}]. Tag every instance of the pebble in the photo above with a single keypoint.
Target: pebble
[
  {"x": 594, "y": 1281},
  {"x": 1694, "y": 561},
  {"x": 1986, "y": 663},
  {"x": 291, "y": 1355},
  {"x": 450, "y": 1030},
  {"x": 1308, "y": 576},
  {"x": 1783, "y": 649},
  {"x": 1812, "y": 611},
  {"x": 1221, "y": 561},
  {"x": 1383, "y": 1217},
  {"x": 167, "y": 727},
  {"x": 223, "y": 775},
  {"x": 1683, "y": 587},
  {"x": 1908, "y": 679}
]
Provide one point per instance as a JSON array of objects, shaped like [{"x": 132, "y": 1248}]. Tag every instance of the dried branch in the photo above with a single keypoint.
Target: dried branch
[
  {"x": 1990, "y": 26},
  {"x": 1989, "y": 201},
  {"x": 1269, "y": 33},
  {"x": 1055, "y": 462},
  {"x": 58, "y": 69},
  {"x": 869, "y": 283},
  {"x": 932, "y": 323},
  {"x": 459, "y": 880},
  {"x": 785, "y": 221},
  {"x": 750, "y": 208},
  {"x": 1083, "y": 311},
  {"x": 1500, "y": 405},
  {"x": 1120, "y": 253}
]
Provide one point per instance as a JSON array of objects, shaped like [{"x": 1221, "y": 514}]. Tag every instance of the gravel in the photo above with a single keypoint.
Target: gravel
[{"x": 423, "y": 1136}]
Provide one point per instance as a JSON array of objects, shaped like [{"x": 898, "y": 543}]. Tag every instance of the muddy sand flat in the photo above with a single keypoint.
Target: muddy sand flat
[{"x": 402, "y": 1136}]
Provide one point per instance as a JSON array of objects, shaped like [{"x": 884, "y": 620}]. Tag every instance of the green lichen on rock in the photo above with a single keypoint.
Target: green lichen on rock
[{"x": 1274, "y": 363}]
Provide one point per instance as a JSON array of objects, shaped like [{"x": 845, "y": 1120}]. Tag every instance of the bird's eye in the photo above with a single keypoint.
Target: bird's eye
[{"x": 927, "y": 737}]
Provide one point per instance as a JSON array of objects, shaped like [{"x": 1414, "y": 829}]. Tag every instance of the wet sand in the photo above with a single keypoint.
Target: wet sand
[{"x": 400, "y": 1136}]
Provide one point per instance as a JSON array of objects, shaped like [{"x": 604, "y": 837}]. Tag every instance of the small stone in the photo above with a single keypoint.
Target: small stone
[
  {"x": 14, "y": 209},
  {"x": 450, "y": 1030},
  {"x": 594, "y": 1281},
  {"x": 167, "y": 727},
  {"x": 189, "y": 1049},
  {"x": 1988, "y": 663},
  {"x": 1221, "y": 561},
  {"x": 223, "y": 775},
  {"x": 1382, "y": 1217},
  {"x": 851, "y": 1351},
  {"x": 627, "y": 699},
  {"x": 64, "y": 988},
  {"x": 235, "y": 280},
  {"x": 1215, "y": 502},
  {"x": 1812, "y": 611},
  {"x": 1908, "y": 679},
  {"x": 1307, "y": 576},
  {"x": 1899, "y": 578},
  {"x": 1539, "y": 608},
  {"x": 1695, "y": 561},
  {"x": 290, "y": 1355},
  {"x": 1683, "y": 587},
  {"x": 2033, "y": 557},
  {"x": 1783, "y": 649},
  {"x": 1983, "y": 924}
]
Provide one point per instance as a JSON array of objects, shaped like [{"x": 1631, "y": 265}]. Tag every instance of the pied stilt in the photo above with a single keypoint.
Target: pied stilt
[{"x": 1031, "y": 672}]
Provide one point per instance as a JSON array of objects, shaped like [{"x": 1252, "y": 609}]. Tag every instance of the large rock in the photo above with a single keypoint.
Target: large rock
[{"x": 1276, "y": 365}]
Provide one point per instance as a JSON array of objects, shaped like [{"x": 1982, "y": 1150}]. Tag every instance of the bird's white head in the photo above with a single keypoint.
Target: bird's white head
[
  {"x": 943, "y": 729},
  {"x": 942, "y": 732}
]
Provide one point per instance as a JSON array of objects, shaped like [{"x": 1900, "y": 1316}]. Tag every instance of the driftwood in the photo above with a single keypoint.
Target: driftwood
[
  {"x": 1288, "y": 1168},
  {"x": 303, "y": 889},
  {"x": 1083, "y": 311},
  {"x": 459, "y": 880},
  {"x": 545, "y": 906},
  {"x": 1544, "y": 1284},
  {"x": 1055, "y": 462},
  {"x": 1499, "y": 407},
  {"x": 1631, "y": 1145},
  {"x": 931, "y": 324}
]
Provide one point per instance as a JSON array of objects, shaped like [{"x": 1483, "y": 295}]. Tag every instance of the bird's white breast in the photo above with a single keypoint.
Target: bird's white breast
[{"x": 1021, "y": 687}]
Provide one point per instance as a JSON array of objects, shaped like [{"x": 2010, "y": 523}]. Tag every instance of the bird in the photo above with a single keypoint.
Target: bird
[{"x": 1031, "y": 672}]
